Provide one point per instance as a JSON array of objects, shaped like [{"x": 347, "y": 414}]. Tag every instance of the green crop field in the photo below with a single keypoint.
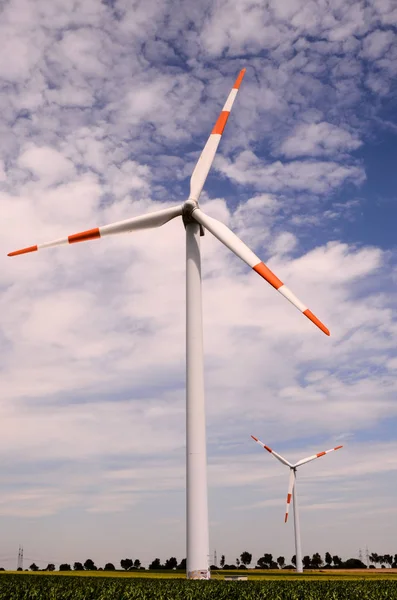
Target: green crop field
[{"x": 24, "y": 586}]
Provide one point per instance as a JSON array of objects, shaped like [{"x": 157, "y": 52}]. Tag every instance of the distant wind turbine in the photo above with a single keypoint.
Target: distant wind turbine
[
  {"x": 195, "y": 221},
  {"x": 293, "y": 495}
]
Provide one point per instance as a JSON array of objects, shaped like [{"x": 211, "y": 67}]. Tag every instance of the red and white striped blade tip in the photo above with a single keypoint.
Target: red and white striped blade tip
[
  {"x": 23, "y": 251},
  {"x": 308, "y": 313},
  {"x": 239, "y": 79},
  {"x": 274, "y": 281},
  {"x": 148, "y": 221},
  {"x": 236, "y": 245},
  {"x": 225, "y": 113},
  {"x": 326, "y": 451},
  {"x": 262, "y": 444},
  {"x": 82, "y": 236}
]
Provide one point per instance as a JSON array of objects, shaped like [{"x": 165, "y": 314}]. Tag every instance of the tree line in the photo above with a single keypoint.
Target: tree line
[
  {"x": 128, "y": 564},
  {"x": 244, "y": 561},
  {"x": 309, "y": 562}
]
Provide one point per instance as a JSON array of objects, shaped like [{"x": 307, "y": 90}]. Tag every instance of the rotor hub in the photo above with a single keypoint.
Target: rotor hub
[
  {"x": 187, "y": 213},
  {"x": 187, "y": 210}
]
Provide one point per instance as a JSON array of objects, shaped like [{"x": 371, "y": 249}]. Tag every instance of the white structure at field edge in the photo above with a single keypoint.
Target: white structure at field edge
[
  {"x": 292, "y": 494},
  {"x": 195, "y": 222}
]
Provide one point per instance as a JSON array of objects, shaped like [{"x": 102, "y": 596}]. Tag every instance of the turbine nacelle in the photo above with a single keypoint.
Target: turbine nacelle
[{"x": 188, "y": 209}]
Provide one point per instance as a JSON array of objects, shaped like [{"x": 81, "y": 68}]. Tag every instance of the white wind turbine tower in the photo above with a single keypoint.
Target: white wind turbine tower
[
  {"x": 293, "y": 495},
  {"x": 195, "y": 222}
]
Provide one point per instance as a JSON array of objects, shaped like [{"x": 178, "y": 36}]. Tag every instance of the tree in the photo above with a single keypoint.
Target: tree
[
  {"x": 182, "y": 564},
  {"x": 65, "y": 567},
  {"x": 262, "y": 562},
  {"x": 293, "y": 560},
  {"x": 50, "y": 567},
  {"x": 374, "y": 558},
  {"x": 78, "y": 566},
  {"x": 34, "y": 567},
  {"x": 317, "y": 561},
  {"x": 336, "y": 560},
  {"x": 109, "y": 567},
  {"x": 89, "y": 565},
  {"x": 171, "y": 563},
  {"x": 281, "y": 561},
  {"x": 126, "y": 563},
  {"x": 237, "y": 562},
  {"x": 328, "y": 560},
  {"x": 388, "y": 559},
  {"x": 353, "y": 563},
  {"x": 222, "y": 562},
  {"x": 266, "y": 561},
  {"x": 155, "y": 564},
  {"x": 246, "y": 558},
  {"x": 137, "y": 563},
  {"x": 307, "y": 562}
]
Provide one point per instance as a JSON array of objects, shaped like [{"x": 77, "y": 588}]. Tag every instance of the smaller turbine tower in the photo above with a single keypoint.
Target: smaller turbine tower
[{"x": 292, "y": 495}]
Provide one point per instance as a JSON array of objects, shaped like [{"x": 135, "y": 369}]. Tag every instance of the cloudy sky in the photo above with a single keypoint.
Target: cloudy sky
[{"x": 104, "y": 109}]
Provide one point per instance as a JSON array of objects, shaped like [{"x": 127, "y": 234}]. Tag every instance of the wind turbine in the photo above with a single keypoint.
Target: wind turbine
[
  {"x": 292, "y": 494},
  {"x": 195, "y": 222}
]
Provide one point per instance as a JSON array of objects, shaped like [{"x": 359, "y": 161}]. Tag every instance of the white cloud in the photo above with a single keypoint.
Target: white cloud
[
  {"x": 319, "y": 177},
  {"x": 20, "y": 54},
  {"x": 284, "y": 243},
  {"x": 377, "y": 43},
  {"x": 47, "y": 164},
  {"x": 70, "y": 95},
  {"x": 318, "y": 139},
  {"x": 392, "y": 363},
  {"x": 84, "y": 50},
  {"x": 245, "y": 25}
]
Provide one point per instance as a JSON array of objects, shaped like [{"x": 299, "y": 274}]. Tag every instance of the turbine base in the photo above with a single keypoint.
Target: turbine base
[{"x": 199, "y": 574}]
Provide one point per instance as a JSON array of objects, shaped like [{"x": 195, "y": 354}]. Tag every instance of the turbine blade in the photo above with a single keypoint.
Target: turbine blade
[
  {"x": 230, "y": 239},
  {"x": 280, "y": 458},
  {"x": 155, "y": 219},
  {"x": 310, "y": 458},
  {"x": 207, "y": 156},
  {"x": 291, "y": 484}
]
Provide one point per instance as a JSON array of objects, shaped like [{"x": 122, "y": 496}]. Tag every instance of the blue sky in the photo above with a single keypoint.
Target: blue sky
[{"x": 104, "y": 110}]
